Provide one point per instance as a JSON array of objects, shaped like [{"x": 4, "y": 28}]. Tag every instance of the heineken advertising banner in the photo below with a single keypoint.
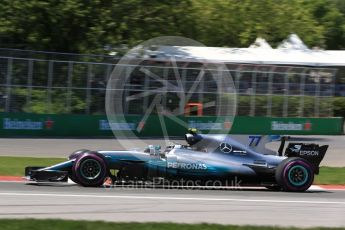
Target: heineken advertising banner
[
  {"x": 46, "y": 125},
  {"x": 296, "y": 126}
]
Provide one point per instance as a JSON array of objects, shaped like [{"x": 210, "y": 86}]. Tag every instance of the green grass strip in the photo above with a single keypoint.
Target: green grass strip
[
  {"x": 51, "y": 224},
  {"x": 14, "y": 166},
  {"x": 331, "y": 175}
]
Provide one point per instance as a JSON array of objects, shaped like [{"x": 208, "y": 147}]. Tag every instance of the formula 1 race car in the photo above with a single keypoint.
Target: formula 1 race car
[{"x": 205, "y": 159}]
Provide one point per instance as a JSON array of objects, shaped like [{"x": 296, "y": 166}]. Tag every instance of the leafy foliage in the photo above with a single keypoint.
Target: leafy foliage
[
  {"x": 35, "y": 224},
  {"x": 98, "y": 26},
  {"x": 94, "y": 26},
  {"x": 88, "y": 26}
]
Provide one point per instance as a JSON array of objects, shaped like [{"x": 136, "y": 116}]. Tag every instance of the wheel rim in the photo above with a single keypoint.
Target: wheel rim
[
  {"x": 298, "y": 175},
  {"x": 90, "y": 169}
]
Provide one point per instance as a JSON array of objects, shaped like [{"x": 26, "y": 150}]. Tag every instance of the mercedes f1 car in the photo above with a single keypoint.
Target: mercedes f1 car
[{"x": 205, "y": 158}]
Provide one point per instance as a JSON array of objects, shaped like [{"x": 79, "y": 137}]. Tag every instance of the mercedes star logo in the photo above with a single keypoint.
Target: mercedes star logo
[{"x": 225, "y": 148}]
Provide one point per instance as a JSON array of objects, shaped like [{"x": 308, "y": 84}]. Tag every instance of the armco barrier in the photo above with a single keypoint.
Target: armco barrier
[{"x": 53, "y": 125}]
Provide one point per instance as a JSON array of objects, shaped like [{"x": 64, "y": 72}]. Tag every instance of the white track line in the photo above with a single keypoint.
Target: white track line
[{"x": 170, "y": 198}]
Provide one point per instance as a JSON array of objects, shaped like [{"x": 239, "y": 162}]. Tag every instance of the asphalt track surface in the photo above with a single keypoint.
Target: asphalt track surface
[
  {"x": 335, "y": 155},
  {"x": 240, "y": 207},
  {"x": 316, "y": 207}
]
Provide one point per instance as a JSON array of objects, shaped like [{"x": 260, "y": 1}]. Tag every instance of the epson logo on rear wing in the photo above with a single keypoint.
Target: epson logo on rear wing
[{"x": 309, "y": 153}]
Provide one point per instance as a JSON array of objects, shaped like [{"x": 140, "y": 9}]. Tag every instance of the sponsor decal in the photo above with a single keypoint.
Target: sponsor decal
[
  {"x": 190, "y": 166},
  {"x": 309, "y": 153},
  {"x": 27, "y": 124},
  {"x": 307, "y": 125},
  {"x": 296, "y": 148},
  {"x": 291, "y": 126},
  {"x": 254, "y": 140},
  {"x": 225, "y": 148},
  {"x": 206, "y": 125},
  {"x": 240, "y": 151},
  {"x": 227, "y": 124},
  {"x": 49, "y": 124},
  {"x": 105, "y": 125}
]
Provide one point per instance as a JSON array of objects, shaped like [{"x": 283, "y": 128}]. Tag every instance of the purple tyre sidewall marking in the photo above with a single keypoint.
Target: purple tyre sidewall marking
[
  {"x": 76, "y": 154},
  {"x": 88, "y": 155},
  {"x": 288, "y": 167}
]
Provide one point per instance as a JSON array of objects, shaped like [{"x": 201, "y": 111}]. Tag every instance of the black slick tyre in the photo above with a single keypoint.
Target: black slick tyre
[
  {"x": 294, "y": 174},
  {"x": 90, "y": 170}
]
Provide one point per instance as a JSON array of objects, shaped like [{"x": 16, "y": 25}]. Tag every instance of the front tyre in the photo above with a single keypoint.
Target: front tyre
[
  {"x": 294, "y": 174},
  {"x": 90, "y": 170},
  {"x": 77, "y": 153}
]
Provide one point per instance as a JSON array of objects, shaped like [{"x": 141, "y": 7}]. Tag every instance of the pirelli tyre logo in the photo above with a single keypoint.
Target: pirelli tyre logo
[{"x": 189, "y": 166}]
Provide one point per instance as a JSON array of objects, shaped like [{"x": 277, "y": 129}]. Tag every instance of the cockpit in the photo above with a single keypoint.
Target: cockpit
[
  {"x": 155, "y": 150},
  {"x": 202, "y": 143}
]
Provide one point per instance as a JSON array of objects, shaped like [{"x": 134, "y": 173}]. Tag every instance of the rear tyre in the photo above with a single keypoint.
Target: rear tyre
[
  {"x": 90, "y": 170},
  {"x": 294, "y": 174}
]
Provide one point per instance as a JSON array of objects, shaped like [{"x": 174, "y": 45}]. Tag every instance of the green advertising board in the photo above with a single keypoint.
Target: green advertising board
[
  {"x": 296, "y": 126},
  {"x": 53, "y": 125}
]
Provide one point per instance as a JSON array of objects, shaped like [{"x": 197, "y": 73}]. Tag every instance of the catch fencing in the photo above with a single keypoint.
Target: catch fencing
[{"x": 50, "y": 83}]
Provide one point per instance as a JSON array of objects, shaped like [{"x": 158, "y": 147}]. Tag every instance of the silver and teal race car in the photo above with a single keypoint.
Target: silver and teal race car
[{"x": 204, "y": 161}]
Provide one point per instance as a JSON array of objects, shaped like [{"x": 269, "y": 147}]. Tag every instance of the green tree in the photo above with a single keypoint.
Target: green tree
[
  {"x": 237, "y": 23},
  {"x": 330, "y": 15},
  {"x": 88, "y": 26},
  {"x": 85, "y": 26}
]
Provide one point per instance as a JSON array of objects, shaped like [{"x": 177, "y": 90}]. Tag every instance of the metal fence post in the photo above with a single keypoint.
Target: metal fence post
[
  {"x": 253, "y": 95},
  {"x": 317, "y": 96},
  {"x": 183, "y": 102},
  {"x": 146, "y": 86},
  {"x": 302, "y": 92},
  {"x": 201, "y": 90},
  {"x": 286, "y": 93},
  {"x": 29, "y": 81},
  {"x": 108, "y": 73},
  {"x": 237, "y": 85},
  {"x": 8, "y": 84},
  {"x": 88, "y": 90},
  {"x": 332, "y": 92},
  {"x": 164, "y": 98},
  {"x": 69, "y": 86},
  {"x": 49, "y": 86},
  {"x": 269, "y": 99}
]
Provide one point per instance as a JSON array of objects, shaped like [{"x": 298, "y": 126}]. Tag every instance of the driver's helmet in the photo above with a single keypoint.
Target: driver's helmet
[{"x": 154, "y": 149}]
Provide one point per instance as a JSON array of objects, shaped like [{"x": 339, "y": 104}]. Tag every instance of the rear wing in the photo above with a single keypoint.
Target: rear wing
[{"x": 313, "y": 153}]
